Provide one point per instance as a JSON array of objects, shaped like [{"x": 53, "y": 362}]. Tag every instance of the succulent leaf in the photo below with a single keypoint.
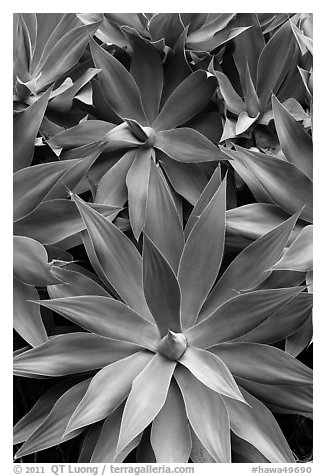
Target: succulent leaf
[
  {"x": 170, "y": 434},
  {"x": 148, "y": 394},
  {"x": 202, "y": 403},
  {"x": 71, "y": 353}
]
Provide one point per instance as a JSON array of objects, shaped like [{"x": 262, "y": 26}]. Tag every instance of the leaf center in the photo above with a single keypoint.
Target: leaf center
[{"x": 173, "y": 345}]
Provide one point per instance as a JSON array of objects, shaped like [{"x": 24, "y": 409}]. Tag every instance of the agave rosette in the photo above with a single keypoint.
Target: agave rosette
[
  {"x": 156, "y": 126},
  {"x": 45, "y": 48},
  {"x": 261, "y": 68},
  {"x": 182, "y": 361}
]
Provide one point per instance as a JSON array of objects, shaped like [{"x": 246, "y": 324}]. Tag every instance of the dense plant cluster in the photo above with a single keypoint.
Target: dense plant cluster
[{"x": 163, "y": 237}]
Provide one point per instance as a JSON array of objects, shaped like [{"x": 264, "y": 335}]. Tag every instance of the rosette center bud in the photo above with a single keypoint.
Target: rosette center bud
[
  {"x": 146, "y": 135},
  {"x": 173, "y": 345},
  {"x": 150, "y": 141}
]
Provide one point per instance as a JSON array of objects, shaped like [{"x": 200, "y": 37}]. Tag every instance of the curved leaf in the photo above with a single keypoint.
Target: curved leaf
[
  {"x": 170, "y": 435},
  {"x": 107, "y": 390},
  {"x": 256, "y": 424},
  {"x": 55, "y": 220},
  {"x": 286, "y": 185},
  {"x": 105, "y": 447},
  {"x": 203, "y": 201},
  {"x": 71, "y": 353},
  {"x": 296, "y": 143},
  {"x": 238, "y": 316},
  {"x": 118, "y": 86},
  {"x": 244, "y": 452},
  {"x": 246, "y": 174},
  {"x": 64, "y": 100},
  {"x": 216, "y": 40},
  {"x": 25, "y": 129},
  {"x": 121, "y": 137},
  {"x": 187, "y": 145},
  {"x": 31, "y": 262},
  {"x": 27, "y": 425},
  {"x": 49, "y": 31},
  {"x": 73, "y": 178},
  {"x": 248, "y": 46},
  {"x": 189, "y": 98},
  {"x": 300, "y": 339},
  {"x": 244, "y": 122},
  {"x": 89, "y": 442},
  {"x": 213, "y": 23},
  {"x": 74, "y": 284},
  {"x": 252, "y": 102},
  {"x": 86, "y": 132},
  {"x": 194, "y": 275},
  {"x": 274, "y": 62},
  {"x": 305, "y": 43},
  {"x": 145, "y": 453},
  {"x": 107, "y": 317},
  {"x": 112, "y": 189},
  {"x": 137, "y": 180},
  {"x": 257, "y": 219},
  {"x": 283, "y": 323},
  {"x": 177, "y": 67},
  {"x": 263, "y": 364},
  {"x": 161, "y": 289},
  {"x": 147, "y": 71},
  {"x": 97, "y": 265},
  {"x": 65, "y": 53},
  {"x": 290, "y": 399},
  {"x": 50, "y": 432},
  {"x": 27, "y": 319},
  {"x": 187, "y": 179},
  {"x": 167, "y": 26},
  {"x": 299, "y": 256},
  {"x": 207, "y": 415},
  {"x": 159, "y": 211},
  {"x": 211, "y": 371},
  {"x": 120, "y": 260},
  {"x": 148, "y": 394},
  {"x": 232, "y": 100},
  {"x": 104, "y": 451},
  {"x": 199, "y": 453},
  {"x": 250, "y": 267},
  {"x": 306, "y": 77},
  {"x": 33, "y": 184}
]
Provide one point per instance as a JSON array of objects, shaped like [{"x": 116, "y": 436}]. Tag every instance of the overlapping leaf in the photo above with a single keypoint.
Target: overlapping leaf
[
  {"x": 26, "y": 126},
  {"x": 71, "y": 353},
  {"x": 107, "y": 317},
  {"x": 170, "y": 435},
  {"x": 114, "y": 380},
  {"x": 256, "y": 424},
  {"x": 147, "y": 397},
  {"x": 202, "y": 404},
  {"x": 193, "y": 272},
  {"x": 50, "y": 433},
  {"x": 27, "y": 318},
  {"x": 122, "y": 268},
  {"x": 282, "y": 182}
]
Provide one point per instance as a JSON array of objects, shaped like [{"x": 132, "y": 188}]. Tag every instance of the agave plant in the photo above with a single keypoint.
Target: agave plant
[
  {"x": 150, "y": 128},
  {"x": 184, "y": 364},
  {"x": 185, "y": 338},
  {"x": 45, "y": 48},
  {"x": 261, "y": 69}
]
